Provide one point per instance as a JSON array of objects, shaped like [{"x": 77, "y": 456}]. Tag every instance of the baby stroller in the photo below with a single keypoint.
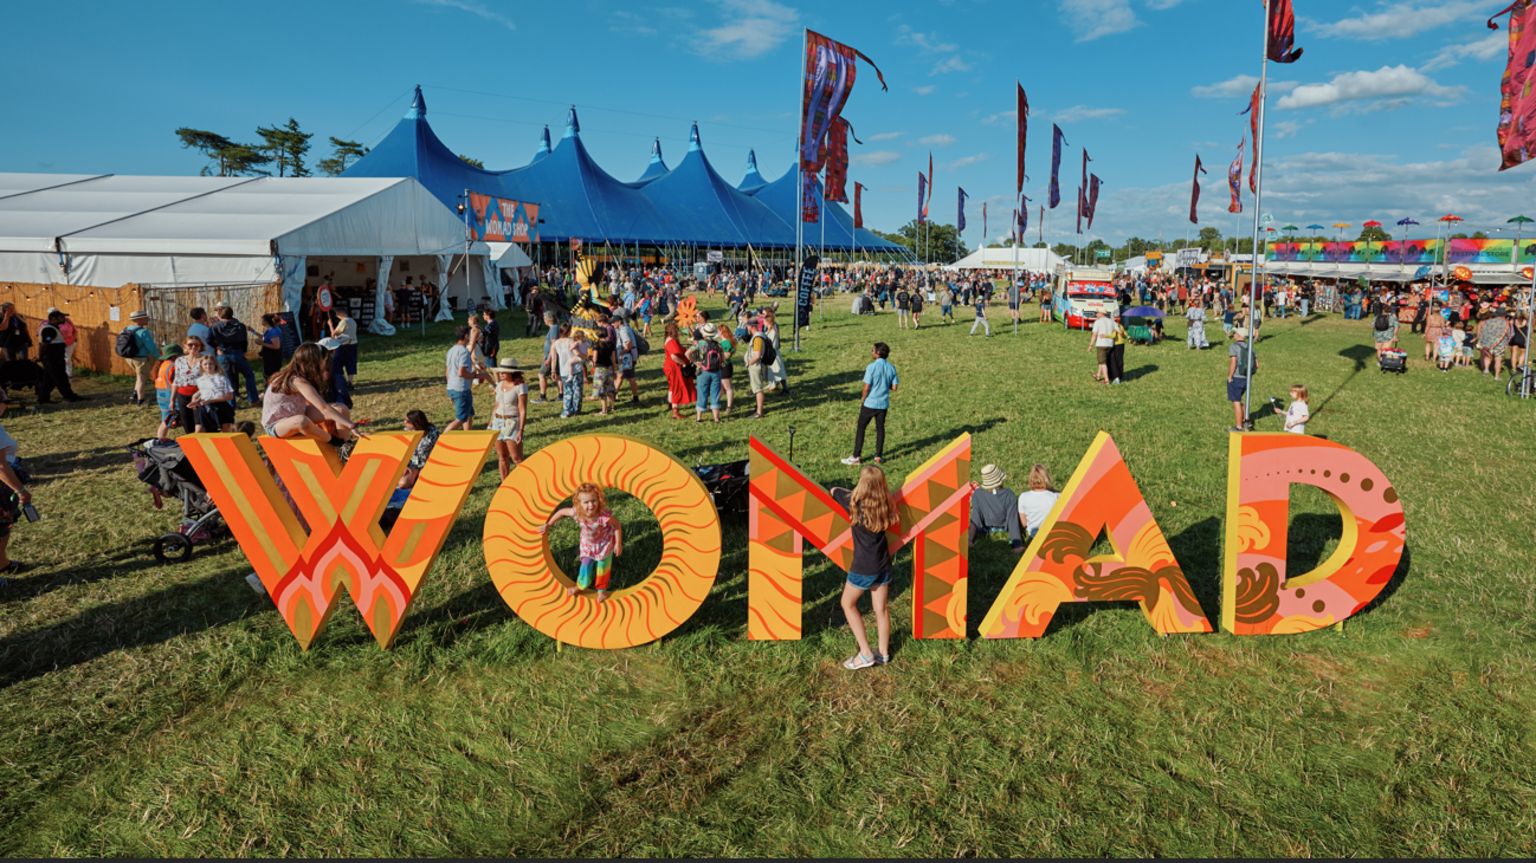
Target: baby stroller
[
  {"x": 727, "y": 484},
  {"x": 163, "y": 467},
  {"x": 1393, "y": 361}
]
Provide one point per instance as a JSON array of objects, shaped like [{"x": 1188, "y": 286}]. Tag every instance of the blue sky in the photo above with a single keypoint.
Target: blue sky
[{"x": 1390, "y": 113}]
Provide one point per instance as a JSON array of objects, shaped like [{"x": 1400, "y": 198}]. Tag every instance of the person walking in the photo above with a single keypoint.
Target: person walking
[
  {"x": 880, "y": 380},
  {"x": 50, "y": 341},
  {"x": 15, "y": 341},
  {"x": 144, "y": 353},
  {"x": 1240, "y": 355},
  {"x": 71, "y": 337},
  {"x": 461, "y": 374},
  {"x": 1195, "y": 315},
  {"x": 230, "y": 339},
  {"x": 1101, "y": 340}
]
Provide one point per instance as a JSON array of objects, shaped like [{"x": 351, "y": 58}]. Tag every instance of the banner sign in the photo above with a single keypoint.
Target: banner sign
[
  {"x": 317, "y": 536},
  {"x": 714, "y": 257},
  {"x": 502, "y": 220},
  {"x": 1405, "y": 252},
  {"x": 806, "y": 288},
  {"x": 1187, "y": 258}
]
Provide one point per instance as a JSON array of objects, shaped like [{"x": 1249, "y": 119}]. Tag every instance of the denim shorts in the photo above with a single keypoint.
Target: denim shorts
[
  {"x": 865, "y": 582},
  {"x": 463, "y": 404}
]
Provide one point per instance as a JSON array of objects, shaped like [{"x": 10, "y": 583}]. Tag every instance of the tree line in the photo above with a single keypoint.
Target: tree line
[{"x": 279, "y": 149}]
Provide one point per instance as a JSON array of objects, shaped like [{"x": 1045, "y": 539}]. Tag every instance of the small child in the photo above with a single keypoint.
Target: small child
[
  {"x": 165, "y": 391},
  {"x": 1298, "y": 413},
  {"x": 602, "y": 538},
  {"x": 1468, "y": 344},
  {"x": 215, "y": 399},
  {"x": 1445, "y": 349},
  {"x": 871, "y": 512}
]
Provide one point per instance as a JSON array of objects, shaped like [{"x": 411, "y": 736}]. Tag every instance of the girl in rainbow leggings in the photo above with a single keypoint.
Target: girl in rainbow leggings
[{"x": 602, "y": 538}]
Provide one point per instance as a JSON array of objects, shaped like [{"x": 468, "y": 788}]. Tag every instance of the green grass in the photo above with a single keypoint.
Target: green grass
[{"x": 155, "y": 710}]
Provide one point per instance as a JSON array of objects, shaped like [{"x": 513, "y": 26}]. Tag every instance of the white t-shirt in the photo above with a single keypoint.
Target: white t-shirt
[
  {"x": 213, "y": 386},
  {"x": 458, "y": 358},
  {"x": 1034, "y": 506},
  {"x": 1104, "y": 333},
  {"x": 1296, "y": 417},
  {"x": 346, "y": 330}
]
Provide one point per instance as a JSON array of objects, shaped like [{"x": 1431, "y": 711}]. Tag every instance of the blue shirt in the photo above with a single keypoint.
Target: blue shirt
[
  {"x": 881, "y": 377},
  {"x": 200, "y": 331},
  {"x": 146, "y": 342}
]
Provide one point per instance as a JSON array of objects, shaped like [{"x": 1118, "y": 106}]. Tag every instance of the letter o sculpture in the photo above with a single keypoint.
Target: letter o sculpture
[{"x": 533, "y": 585}]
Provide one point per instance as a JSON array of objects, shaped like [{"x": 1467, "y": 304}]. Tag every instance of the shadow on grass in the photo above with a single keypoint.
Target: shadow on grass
[
  {"x": 1360, "y": 355},
  {"x": 25, "y": 587},
  {"x": 1139, "y": 372},
  {"x": 179, "y": 610}
]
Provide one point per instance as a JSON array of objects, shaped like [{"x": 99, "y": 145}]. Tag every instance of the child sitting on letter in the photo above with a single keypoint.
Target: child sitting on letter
[{"x": 602, "y": 538}]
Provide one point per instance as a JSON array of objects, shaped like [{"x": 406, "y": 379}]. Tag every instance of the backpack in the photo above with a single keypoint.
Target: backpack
[
  {"x": 714, "y": 358},
  {"x": 1383, "y": 323},
  {"x": 127, "y": 345},
  {"x": 643, "y": 346},
  {"x": 769, "y": 354}
]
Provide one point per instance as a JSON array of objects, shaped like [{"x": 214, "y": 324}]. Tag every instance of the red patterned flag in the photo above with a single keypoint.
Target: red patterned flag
[
  {"x": 837, "y": 161},
  {"x": 1517, "y": 108},
  {"x": 830, "y": 70},
  {"x": 1057, "y": 139},
  {"x": 1023, "y": 112},
  {"x": 1282, "y": 32},
  {"x": 1235, "y": 179},
  {"x": 858, "y": 205},
  {"x": 1082, "y": 192},
  {"x": 960, "y": 210},
  {"x": 1253, "y": 126},
  {"x": 810, "y": 198},
  {"x": 1194, "y": 196},
  {"x": 930, "y": 186},
  {"x": 1014, "y": 233}
]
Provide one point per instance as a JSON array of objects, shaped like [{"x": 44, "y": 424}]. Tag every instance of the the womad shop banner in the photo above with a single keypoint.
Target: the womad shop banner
[
  {"x": 502, "y": 220},
  {"x": 807, "y": 287}
]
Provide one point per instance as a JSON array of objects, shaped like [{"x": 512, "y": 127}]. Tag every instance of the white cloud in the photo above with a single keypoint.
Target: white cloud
[
  {"x": 1093, "y": 19},
  {"x": 630, "y": 23},
  {"x": 1078, "y": 113},
  {"x": 924, "y": 90},
  {"x": 876, "y": 158},
  {"x": 1399, "y": 20},
  {"x": 1161, "y": 5},
  {"x": 474, "y": 8},
  {"x": 885, "y": 136},
  {"x": 749, "y": 29},
  {"x": 1383, "y": 89},
  {"x": 952, "y": 63},
  {"x": 940, "y": 140},
  {"x": 1239, "y": 87},
  {"x": 1282, "y": 130},
  {"x": 994, "y": 119},
  {"x": 930, "y": 42},
  {"x": 1484, "y": 48},
  {"x": 966, "y": 160}
]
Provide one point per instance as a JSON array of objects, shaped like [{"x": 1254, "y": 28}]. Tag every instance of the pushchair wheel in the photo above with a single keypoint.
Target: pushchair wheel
[{"x": 173, "y": 548}]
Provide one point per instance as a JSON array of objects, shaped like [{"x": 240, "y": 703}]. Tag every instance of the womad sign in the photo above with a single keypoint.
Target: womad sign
[
  {"x": 502, "y": 220},
  {"x": 329, "y": 540}
]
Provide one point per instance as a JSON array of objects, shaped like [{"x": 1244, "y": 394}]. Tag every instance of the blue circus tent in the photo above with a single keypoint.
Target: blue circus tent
[
  {"x": 710, "y": 211},
  {"x": 782, "y": 197},
  {"x": 754, "y": 178},
  {"x": 655, "y": 169}
]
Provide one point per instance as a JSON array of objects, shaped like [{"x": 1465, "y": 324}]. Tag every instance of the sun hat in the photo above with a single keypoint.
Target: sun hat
[
  {"x": 992, "y": 477},
  {"x": 170, "y": 352},
  {"x": 709, "y": 331},
  {"x": 330, "y": 343},
  {"x": 139, "y": 315},
  {"x": 508, "y": 365},
  {"x": 1240, "y": 333}
]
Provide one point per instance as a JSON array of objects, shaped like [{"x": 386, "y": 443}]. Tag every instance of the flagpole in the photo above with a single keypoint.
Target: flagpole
[
  {"x": 1018, "y": 237},
  {"x": 1258, "y": 209},
  {"x": 800, "y": 187}
]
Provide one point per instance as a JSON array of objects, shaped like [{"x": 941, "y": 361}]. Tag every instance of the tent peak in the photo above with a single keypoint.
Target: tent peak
[
  {"x": 751, "y": 160},
  {"x": 572, "y": 125},
  {"x": 418, "y": 110},
  {"x": 656, "y": 150},
  {"x": 693, "y": 138},
  {"x": 544, "y": 147}
]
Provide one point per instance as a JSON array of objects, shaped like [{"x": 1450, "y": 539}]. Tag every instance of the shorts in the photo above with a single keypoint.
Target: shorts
[
  {"x": 507, "y": 426},
  {"x": 215, "y": 416},
  {"x": 1235, "y": 389},
  {"x": 757, "y": 379},
  {"x": 866, "y": 582},
  {"x": 463, "y": 404},
  {"x": 602, "y": 381},
  {"x": 1103, "y": 355}
]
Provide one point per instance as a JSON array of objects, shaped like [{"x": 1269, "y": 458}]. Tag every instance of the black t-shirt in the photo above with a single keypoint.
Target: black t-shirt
[
  {"x": 230, "y": 337},
  {"x": 871, "y": 551},
  {"x": 490, "y": 338}
]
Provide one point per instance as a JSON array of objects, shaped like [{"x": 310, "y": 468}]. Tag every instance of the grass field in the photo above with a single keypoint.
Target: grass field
[{"x": 156, "y": 710}]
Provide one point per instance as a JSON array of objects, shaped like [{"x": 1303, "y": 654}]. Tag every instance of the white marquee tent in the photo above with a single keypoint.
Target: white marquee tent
[
  {"x": 1033, "y": 260},
  {"x": 109, "y": 230}
]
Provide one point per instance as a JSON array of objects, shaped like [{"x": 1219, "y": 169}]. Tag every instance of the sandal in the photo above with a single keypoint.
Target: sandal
[{"x": 858, "y": 661}]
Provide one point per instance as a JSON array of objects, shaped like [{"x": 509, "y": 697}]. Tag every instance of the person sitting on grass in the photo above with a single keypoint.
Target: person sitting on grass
[
  {"x": 1036, "y": 503},
  {"x": 871, "y": 512},
  {"x": 994, "y": 509},
  {"x": 293, "y": 407},
  {"x": 602, "y": 538}
]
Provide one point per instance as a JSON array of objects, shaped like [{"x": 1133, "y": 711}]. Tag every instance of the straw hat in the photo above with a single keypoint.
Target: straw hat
[
  {"x": 1240, "y": 333},
  {"x": 508, "y": 365},
  {"x": 992, "y": 477},
  {"x": 709, "y": 331},
  {"x": 139, "y": 315}
]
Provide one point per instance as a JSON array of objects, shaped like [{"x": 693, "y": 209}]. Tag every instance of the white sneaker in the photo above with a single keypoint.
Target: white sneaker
[{"x": 851, "y": 460}]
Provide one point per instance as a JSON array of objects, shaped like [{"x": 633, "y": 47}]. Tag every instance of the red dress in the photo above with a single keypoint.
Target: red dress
[{"x": 679, "y": 388}]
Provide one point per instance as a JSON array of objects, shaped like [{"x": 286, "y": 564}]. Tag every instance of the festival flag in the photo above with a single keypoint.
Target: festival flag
[
  {"x": 1253, "y": 127},
  {"x": 960, "y": 211},
  {"x": 1093, "y": 198},
  {"x": 922, "y": 198},
  {"x": 1082, "y": 192},
  {"x": 1013, "y": 233},
  {"x": 830, "y": 70},
  {"x": 930, "y": 185},
  {"x": 1042, "y": 223},
  {"x": 810, "y": 198},
  {"x": 1057, "y": 139},
  {"x": 1023, "y": 219},
  {"x": 1235, "y": 179},
  {"x": 837, "y": 161},
  {"x": 858, "y": 205},
  {"x": 1517, "y": 105},
  {"x": 983, "y": 221},
  {"x": 1282, "y": 32},
  {"x": 1194, "y": 196},
  {"x": 1023, "y": 132}
]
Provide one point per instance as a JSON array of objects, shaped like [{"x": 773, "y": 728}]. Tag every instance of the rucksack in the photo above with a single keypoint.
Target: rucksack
[
  {"x": 127, "y": 345},
  {"x": 643, "y": 346},
  {"x": 714, "y": 358},
  {"x": 769, "y": 353},
  {"x": 1383, "y": 323}
]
